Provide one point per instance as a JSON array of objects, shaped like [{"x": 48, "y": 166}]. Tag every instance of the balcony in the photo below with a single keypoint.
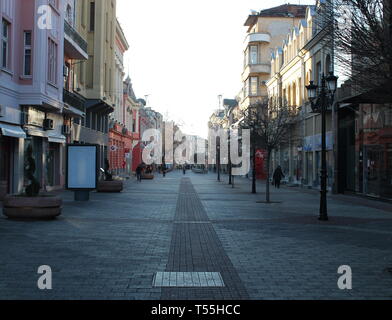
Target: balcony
[
  {"x": 75, "y": 47},
  {"x": 255, "y": 70},
  {"x": 257, "y": 38},
  {"x": 74, "y": 101}
]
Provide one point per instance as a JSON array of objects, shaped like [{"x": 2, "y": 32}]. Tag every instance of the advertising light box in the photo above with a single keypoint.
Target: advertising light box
[{"x": 82, "y": 173}]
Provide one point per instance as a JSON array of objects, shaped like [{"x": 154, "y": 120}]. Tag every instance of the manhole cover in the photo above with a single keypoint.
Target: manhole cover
[{"x": 187, "y": 279}]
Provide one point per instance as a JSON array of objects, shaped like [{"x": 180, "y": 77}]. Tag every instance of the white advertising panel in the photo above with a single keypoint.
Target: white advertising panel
[{"x": 82, "y": 167}]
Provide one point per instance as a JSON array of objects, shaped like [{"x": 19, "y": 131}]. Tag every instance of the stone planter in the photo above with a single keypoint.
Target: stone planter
[
  {"x": 41, "y": 207},
  {"x": 3, "y": 189},
  {"x": 110, "y": 186},
  {"x": 147, "y": 176}
]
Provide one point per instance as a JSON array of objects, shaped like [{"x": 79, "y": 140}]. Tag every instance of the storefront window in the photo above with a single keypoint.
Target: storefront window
[
  {"x": 53, "y": 165},
  {"x": 5, "y": 162}
]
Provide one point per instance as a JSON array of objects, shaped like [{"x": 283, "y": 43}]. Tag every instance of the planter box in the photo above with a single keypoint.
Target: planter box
[
  {"x": 110, "y": 186},
  {"x": 199, "y": 171},
  {"x": 41, "y": 207}
]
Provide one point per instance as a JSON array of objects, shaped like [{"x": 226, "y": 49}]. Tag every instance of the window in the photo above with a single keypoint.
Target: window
[
  {"x": 328, "y": 64},
  {"x": 27, "y": 54},
  {"x": 54, "y": 3},
  {"x": 254, "y": 81},
  {"x": 253, "y": 59},
  {"x": 52, "y": 61},
  {"x": 318, "y": 74},
  {"x": 69, "y": 15},
  {"x": 5, "y": 46},
  {"x": 92, "y": 16},
  {"x": 83, "y": 14},
  {"x": 107, "y": 27}
]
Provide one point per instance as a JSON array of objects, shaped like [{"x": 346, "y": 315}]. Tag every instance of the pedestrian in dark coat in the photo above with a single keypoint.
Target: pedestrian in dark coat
[
  {"x": 278, "y": 176},
  {"x": 139, "y": 171}
]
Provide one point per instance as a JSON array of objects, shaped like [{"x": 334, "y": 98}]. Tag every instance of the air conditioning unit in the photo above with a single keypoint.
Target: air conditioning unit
[
  {"x": 2, "y": 111},
  {"x": 48, "y": 124},
  {"x": 66, "y": 129}
]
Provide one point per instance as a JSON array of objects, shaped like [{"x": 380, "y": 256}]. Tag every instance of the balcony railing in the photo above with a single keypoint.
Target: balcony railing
[
  {"x": 75, "y": 37},
  {"x": 73, "y": 100}
]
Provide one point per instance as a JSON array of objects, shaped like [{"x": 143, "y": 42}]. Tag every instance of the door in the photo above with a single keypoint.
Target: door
[
  {"x": 372, "y": 170},
  {"x": 5, "y": 164}
]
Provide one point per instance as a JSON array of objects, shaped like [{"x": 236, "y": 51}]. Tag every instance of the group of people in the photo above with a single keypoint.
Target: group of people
[{"x": 278, "y": 175}]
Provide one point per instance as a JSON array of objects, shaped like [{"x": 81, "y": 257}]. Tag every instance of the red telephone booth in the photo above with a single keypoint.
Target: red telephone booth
[{"x": 261, "y": 158}]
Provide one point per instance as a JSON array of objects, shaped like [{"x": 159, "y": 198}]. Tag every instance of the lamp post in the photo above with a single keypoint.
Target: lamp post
[
  {"x": 218, "y": 147},
  {"x": 320, "y": 105},
  {"x": 229, "y": 150}
]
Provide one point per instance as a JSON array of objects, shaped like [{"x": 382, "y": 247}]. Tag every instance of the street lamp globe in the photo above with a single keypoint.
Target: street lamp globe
[
  {"x": 312, "y": 90},
  {"x": 332, "y": 82}
]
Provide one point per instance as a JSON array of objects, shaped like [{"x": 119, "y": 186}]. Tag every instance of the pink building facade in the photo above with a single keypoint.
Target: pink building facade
[{"x": 31, "y": 91}]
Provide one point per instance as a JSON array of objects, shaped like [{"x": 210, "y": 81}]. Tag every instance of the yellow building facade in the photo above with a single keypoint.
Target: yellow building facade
[{"x": 303, "y": 56}]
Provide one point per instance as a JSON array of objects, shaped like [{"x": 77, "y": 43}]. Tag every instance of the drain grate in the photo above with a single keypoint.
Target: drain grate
[{"x": 187, "y": 279}]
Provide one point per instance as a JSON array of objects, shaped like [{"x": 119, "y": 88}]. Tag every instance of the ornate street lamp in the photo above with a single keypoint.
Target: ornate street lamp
[{"x": 320, "y": 104}]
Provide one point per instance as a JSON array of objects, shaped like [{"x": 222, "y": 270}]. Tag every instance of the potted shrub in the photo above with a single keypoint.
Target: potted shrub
[
  {"x": 32, "y": 205},
  {"x": 109, "y": 184}
]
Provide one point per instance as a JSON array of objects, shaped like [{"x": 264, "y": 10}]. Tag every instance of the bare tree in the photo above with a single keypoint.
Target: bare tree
[
  {"x": 361, "y": 33},
  {"x": 269, "y": 122}
]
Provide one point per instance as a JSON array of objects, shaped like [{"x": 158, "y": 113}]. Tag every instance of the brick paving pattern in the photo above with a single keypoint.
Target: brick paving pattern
[
  {"x": 195, "y": 247},
  {"x": 113, "y": 246}
]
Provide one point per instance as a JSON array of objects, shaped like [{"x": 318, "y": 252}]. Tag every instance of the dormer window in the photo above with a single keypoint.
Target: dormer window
[{"x": 69, "y": 15}]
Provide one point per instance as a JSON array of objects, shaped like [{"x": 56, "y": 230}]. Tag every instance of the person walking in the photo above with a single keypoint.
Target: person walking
[
  {"x": 139, "y": 170},
  {"x": 184, "y": 169},
  {"x": 278, "y": 176}
]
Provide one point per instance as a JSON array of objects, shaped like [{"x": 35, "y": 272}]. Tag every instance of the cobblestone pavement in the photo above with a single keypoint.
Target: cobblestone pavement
[{"x": 112, "y": 246}]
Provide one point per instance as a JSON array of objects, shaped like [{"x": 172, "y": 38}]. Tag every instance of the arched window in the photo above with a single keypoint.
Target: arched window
[{"x": 294, "y": 95}]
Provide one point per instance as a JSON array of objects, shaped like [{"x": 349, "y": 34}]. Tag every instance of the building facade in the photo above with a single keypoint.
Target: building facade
[
  {"x": 132, "y": 108},
  {"x": 31, "y": 91},
  {"x": 266, "y": 31},
  {"x": 303, "y": 57},
  {"x": 120, "y": 134},
  {"x": 97, "y": 75}
]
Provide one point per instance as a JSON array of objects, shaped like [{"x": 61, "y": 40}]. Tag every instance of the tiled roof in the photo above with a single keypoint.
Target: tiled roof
[{"x": 285, "y": 10}]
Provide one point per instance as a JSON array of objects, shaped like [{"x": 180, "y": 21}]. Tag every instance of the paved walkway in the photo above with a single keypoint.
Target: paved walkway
[{"x": 113, "y": 246}]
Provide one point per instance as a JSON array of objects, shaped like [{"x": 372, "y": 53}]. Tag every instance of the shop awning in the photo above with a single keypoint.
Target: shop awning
[
  {"x": 14, "y": 131},
  {"x": 56, "y": 137},
  {"x": 36, "y": 132}
]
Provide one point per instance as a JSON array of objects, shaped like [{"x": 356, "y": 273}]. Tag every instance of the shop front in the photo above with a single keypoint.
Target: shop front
[
  {"x": 312, "y": 152},
  {"x": 374, "y": 143},
  {"x": 365, "y": 150},
  {"x": 47, "y": 144},
  {"x": 11, "y": 137}
]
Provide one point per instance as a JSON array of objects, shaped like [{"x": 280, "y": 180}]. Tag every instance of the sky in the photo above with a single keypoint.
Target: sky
[{"x": 184, "y": 54}]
